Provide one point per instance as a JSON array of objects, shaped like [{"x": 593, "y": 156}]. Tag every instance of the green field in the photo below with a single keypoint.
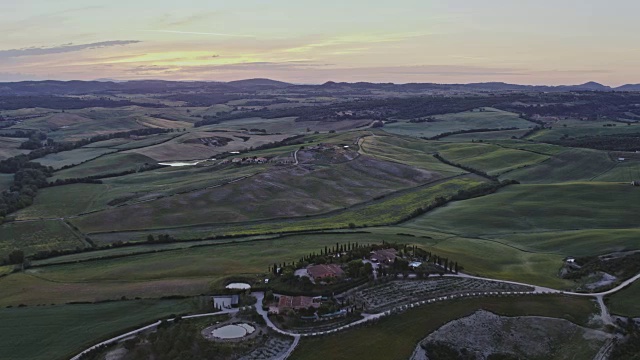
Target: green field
[
  {"x": 111, "y": 143},
  {"x": 583, "y": 128},
  {"x": 490, "y": 119},
  {"x": 288, "y": 125},
  {"x": 388, "y": 210},
  {"x": 107, "y": 164},
  {"x": 191, "y": 271},
  {"x": 486, "y": 136},
  {"x": 626, "y": 171},
  {"x": 143, "y": 249},
  {"x": 571, "y": 165},
  {"x": 139, "y": 143},
  {"x": 67, "y": 200},
  {"x": 35, "y": 236},
  {"x": 72, "y": 157},
  {"x": 409, "y": 151},
  {"x": 625, "y": 302},
  {"x": 75, "y": 125},
  {"x": 575, "y": 242},
  {"x": 541, "y": 148},
  {"x": 189, "y": 146},
  {"x": 395, "y": 337},
  {"x": 9, "y": 147},
  {"x": 63, "y": 201},
  {"x": 492, "y": 159},
  {"x": 62, "y": 331},
  {"x": 537, "y": 208}
]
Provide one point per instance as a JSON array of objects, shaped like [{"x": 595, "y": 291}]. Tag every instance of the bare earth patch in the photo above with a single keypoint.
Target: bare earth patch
[{"x": 527, "y": 337}]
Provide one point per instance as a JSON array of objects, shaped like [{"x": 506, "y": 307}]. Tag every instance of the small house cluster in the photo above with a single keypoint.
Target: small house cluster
[{"x": 245, "y": 161}]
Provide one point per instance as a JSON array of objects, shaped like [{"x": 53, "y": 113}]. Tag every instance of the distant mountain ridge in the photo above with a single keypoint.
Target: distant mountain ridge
[
  {"x": 489, "y": 86},
  {"x": 106, "y": 86}
]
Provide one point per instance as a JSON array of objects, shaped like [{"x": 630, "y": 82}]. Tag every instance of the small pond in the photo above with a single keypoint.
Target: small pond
[
  {"x": 238, "y": 286},
  {"x": 233, "y": 331},
  {"x": 183, "y": 163}
]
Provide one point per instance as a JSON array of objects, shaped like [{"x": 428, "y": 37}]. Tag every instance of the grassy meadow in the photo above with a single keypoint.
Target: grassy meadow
[
  {"x": 189, "y": 146},
  {"x": 486, "y": 136},
  {"x": 489, "y": 158},
  {"x": 406, "y": 151},
  {"x": 104, "y": 165},
  {"x": 74, "y": 199},
  {"x": 536, "y": 208},
  {"x": 9, "y": 147},
  {"x": 387, "y": 210},
  {"x": 34, "y": 236},
  {"x": 571, "y": 165},
  {"x": 489, "y": 119},
  {"x": 182, "y": 271},
  {"x": 575, "y": 128},
  {"x": 625, "y": 302},
  {"x": 61, "y": 331},
  {"x": 72, "y": 157}
]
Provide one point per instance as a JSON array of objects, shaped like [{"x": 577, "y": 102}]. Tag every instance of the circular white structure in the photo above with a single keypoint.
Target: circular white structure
[
  {"x": 238, "y": 286},
  {"x": 233, "y": 331}
]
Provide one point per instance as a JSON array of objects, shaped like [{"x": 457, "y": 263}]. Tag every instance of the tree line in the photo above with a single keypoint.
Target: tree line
[
  {"x": 469, "y": 131},
  {"x": 30, "y": 176},
  {"x": 615, "y": 142},
  {"x": 373, "y": 109},
  {"x": 11, "y": 102}
]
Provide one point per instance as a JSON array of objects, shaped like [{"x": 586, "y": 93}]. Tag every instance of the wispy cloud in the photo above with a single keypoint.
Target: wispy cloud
[
  {"x": 452, "y": 70},
  {"x": 34, "y": 51},
  {"x": 259, "y": 65},
  {"x": 171, "y": 21},
  {"x": 198, "y": 33},
  {"x": 350, "y": 40}
]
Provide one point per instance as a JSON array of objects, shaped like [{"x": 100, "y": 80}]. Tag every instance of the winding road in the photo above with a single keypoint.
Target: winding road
[{"x": 538, "y": 290}]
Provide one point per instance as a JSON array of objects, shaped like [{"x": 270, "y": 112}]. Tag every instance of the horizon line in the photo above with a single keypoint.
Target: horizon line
[{"x": 321, "y": 83}]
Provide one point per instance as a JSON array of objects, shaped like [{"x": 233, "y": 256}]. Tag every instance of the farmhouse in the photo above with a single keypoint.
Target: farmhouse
[
  {"x": 384, "y": 256},
  {"x": 415, "y": 264},
  {"x": 318, "y": 272},
  {"x": 297, "y": 302},
  {"x": 236, "y": 160},
  {"x": 260, "y": 160}
]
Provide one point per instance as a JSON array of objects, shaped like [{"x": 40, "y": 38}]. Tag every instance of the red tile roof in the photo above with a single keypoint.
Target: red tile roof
[
  {"x": 296, "y": 302},
  {"x": 325, "y": 270},
  {"x": 384, "y": 255}
]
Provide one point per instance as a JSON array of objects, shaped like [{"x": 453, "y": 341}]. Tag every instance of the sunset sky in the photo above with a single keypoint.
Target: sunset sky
[{"x": 456, "y": 41}]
